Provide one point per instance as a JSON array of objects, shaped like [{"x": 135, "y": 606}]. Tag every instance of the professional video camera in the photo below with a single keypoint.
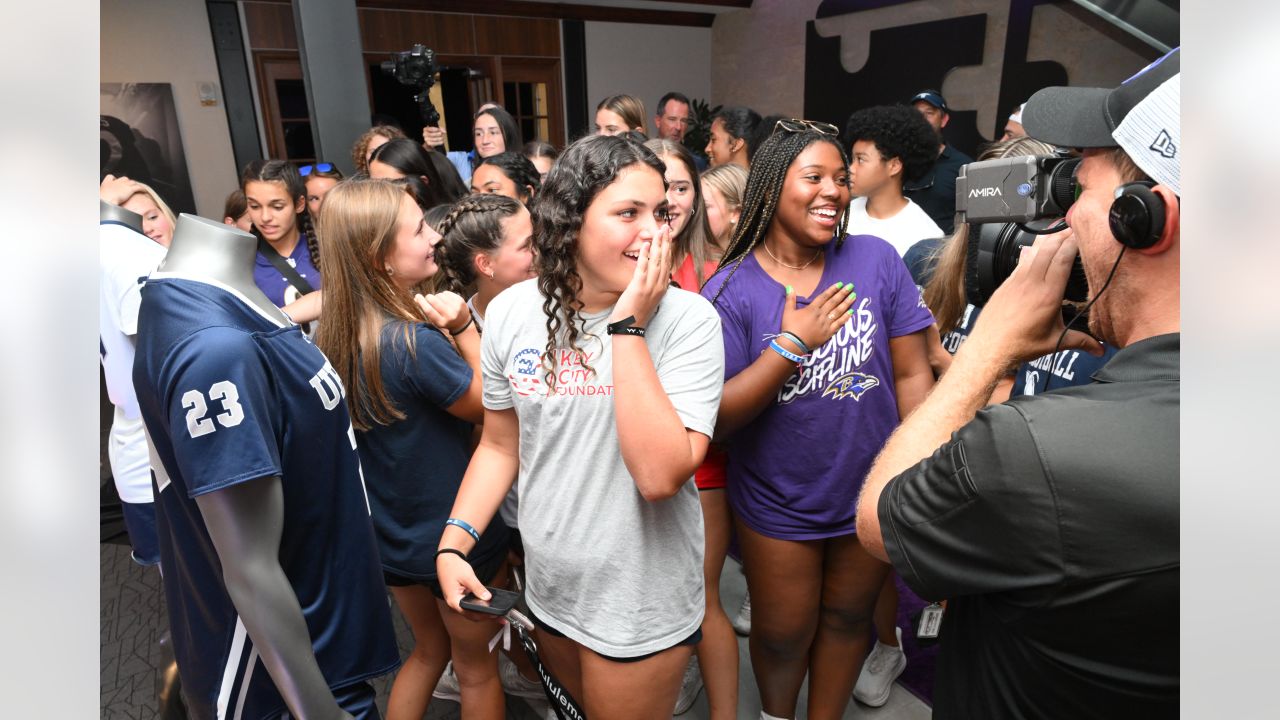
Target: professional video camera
[
  {"x": 1007, "y": 203},
  {"x": 417, "y": 68}
]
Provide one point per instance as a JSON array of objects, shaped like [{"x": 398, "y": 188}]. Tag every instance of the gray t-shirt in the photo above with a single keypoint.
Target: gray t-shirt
[{"x": 611, "y": 570}]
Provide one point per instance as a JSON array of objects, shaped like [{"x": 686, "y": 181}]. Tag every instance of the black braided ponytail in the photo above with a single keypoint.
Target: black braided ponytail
[
  {"x": 764, "y": 187},
  {"x": 587, "y": 166},
  {"x": 474, "y": 225}
]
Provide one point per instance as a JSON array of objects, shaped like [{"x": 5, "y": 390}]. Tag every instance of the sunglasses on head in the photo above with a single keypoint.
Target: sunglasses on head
[
  {"x": 794, "y": 125},
  {"x": 305, "y": 170}
]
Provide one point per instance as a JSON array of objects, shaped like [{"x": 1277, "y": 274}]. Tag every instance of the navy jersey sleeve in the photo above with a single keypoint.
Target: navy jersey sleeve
[
  {"x": 434, "y": 370},
  {"x": 224, "y": 422},
  {"x": 906, "y": 311},
  {"x": 978, "y": 516}
]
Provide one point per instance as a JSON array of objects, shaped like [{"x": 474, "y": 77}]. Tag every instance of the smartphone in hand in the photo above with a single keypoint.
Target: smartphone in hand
[{"x": 501, "y": 602}]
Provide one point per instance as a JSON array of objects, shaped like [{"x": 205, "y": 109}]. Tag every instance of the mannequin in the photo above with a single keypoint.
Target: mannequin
[
  {"x": 218, "y": 252},
  {"x": 246, "y": 519},
  {"x": 114, "y": 213}
]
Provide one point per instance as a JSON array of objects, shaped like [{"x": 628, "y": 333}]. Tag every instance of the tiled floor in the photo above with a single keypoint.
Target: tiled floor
[{"x": 133, "y": 623}]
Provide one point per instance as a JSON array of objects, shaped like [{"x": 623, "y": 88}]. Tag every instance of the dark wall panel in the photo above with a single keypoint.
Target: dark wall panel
[{"x": 896, "y": 68}]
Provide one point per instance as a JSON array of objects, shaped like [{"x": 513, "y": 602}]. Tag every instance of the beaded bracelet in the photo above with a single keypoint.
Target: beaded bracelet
[
  {"x": 465, "y": 526},
  {"x": 796, "y": 339},
  {"x": 774, "y": 346}
]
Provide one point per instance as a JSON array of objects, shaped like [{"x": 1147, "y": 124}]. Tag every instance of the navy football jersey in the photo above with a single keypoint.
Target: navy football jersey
[
  {"x": 1066, "y": 368},
  {"x": 229, "y": 395}
]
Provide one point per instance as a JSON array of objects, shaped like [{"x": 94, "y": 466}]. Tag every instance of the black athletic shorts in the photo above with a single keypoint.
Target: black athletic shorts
[
  {"x": 485, "y": 569},
  {"x": 693, "y": 639}
]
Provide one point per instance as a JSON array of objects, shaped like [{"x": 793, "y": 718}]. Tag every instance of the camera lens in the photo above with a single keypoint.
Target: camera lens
[
  {"x": 1063, "y": 186},
  {"x": 993, "y": 255}
]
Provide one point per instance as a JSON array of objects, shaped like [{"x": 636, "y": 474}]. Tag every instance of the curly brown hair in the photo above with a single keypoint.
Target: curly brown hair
[
  {"x": 360, "y": 150},
  {"x": 587, "y": 167}
]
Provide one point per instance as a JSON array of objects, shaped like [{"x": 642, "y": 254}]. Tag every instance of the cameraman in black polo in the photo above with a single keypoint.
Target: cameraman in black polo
[{"x": 1050, "y": 523}]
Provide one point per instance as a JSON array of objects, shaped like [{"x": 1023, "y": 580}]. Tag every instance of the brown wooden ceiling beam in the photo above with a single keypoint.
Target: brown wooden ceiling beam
[{"x": 555, "y": 10}]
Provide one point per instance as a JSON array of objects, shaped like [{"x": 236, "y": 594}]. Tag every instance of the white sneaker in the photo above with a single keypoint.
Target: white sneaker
[
  {"x": 513, "y": 683},
  {"x": 742, "y": 621},
  {"x": 447, "y": 688},
  {"x": 690, "y": 686},
  {"x": 882, "y": 667}
]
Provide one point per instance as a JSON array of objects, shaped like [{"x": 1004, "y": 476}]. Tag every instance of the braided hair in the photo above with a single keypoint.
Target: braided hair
[
  {"x": 764, "y": 187},
  {"x": 474, "y": 225},
  {"x": 284, "y": 172},
  {"x": 587, "y": 167}
]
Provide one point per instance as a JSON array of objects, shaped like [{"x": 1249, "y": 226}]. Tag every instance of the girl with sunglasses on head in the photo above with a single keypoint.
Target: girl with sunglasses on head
[
  {"x": 824, "y": 337},
  {"x": 414, "y": 399},
  {"x": 601, "y": 385},
  {"x": 319, "y": 179}
]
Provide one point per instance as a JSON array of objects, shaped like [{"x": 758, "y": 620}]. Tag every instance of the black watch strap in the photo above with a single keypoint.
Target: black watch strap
[{"x": 626, "y": 326}]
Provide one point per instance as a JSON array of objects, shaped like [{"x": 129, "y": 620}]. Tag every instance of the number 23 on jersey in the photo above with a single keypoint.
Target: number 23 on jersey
[{"x": 194, "y": 401}]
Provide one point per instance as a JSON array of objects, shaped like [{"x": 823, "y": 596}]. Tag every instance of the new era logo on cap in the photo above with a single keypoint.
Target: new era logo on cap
[{"x": 1164, "y": 145}]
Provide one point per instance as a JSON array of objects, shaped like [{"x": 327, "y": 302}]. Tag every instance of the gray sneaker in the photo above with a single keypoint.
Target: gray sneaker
[
  {"x": 447, "y": 688},
  {"x": 742, "y": 621},
  {"x": 882, "y": 667},
  {"x": 689, "y": 687},
  {"x": 513, "y": 683}
]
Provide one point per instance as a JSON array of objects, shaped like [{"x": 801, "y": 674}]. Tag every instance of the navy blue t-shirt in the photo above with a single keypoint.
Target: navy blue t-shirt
[
  {"x": 228, "y": 396},
  {"x": 414, "y": 466},
  {"x": 1066, "y": 368}
]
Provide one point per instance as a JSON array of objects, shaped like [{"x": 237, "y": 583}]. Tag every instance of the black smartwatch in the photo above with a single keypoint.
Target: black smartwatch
[{"x": 626, "y": 326}]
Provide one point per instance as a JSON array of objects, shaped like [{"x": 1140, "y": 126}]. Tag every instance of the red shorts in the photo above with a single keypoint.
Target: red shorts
[{"x": 710, "y": 475}]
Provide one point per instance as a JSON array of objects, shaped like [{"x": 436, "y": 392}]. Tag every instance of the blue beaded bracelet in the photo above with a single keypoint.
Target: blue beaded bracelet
[
  {"x": 797, "y": 359},
  {"x": 465, "y": 526}
]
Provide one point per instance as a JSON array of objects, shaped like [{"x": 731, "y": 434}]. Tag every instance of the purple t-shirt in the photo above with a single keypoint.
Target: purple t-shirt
[
  {"x": 274, "y": 284},
  {"x": 795, "y": 471}
]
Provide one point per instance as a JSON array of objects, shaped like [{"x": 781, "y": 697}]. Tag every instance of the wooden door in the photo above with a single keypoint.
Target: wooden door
[
  {"x": 285, "y": 111},
  {"x": 531, "y": 93}
]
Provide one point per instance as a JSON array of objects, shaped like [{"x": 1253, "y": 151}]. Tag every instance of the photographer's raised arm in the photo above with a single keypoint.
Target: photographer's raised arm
[{"x": 1022, "y": 321}]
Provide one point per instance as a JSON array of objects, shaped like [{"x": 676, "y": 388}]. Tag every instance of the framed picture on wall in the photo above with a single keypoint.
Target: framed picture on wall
[{"x": 141, "y": 140}]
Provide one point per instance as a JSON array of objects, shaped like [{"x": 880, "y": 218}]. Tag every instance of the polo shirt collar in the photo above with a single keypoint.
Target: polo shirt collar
[{"x": 1156, "y": 358}]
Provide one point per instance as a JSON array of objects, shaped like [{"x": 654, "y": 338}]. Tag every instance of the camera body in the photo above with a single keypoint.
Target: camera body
[
  {"x": 1008, "y": 203},
  {"x": 416, "y": 67},
  {"x": 1016, "y": 189}
]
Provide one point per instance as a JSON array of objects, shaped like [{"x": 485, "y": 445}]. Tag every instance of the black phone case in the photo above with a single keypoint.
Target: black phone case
[{"x": 499, "y": 604}]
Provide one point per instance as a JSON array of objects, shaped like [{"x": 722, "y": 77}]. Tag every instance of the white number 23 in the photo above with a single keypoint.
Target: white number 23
[{"x": 232, "y": 414}]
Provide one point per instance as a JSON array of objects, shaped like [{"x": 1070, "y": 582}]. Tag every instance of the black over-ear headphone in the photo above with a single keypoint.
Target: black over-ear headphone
[{"x": 1137, "y": 215}]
